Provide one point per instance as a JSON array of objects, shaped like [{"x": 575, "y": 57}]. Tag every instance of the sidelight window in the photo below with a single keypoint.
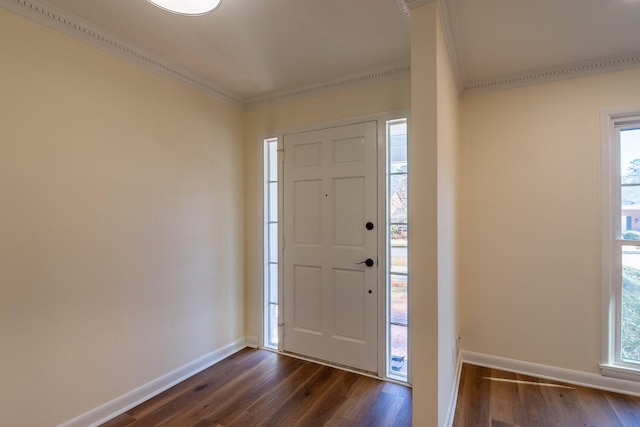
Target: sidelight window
[
  {"x": 270, "y": 266},
  {"x": 397, "y": 277}
]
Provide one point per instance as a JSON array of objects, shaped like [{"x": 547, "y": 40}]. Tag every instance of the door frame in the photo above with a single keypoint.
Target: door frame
[{"x": 380, "y": 119}]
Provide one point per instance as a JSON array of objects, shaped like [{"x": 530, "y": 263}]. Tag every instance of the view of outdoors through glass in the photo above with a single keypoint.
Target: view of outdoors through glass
[
  {"x": 630, "y": 230},
  {"x": 397, "y": 229},
  {"x": 271, "y": 241}
]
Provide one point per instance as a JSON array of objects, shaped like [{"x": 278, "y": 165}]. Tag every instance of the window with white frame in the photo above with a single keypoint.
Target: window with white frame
[
  {"x": 397, "y": 277},
  {"x": 621, "y": 244},
  {"x": 270, "y": 266}
]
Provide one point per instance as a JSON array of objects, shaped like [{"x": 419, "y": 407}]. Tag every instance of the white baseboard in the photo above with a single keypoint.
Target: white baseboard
[
  {"x": 580, "y": 378},
  {"x": 121, "y": 404}
]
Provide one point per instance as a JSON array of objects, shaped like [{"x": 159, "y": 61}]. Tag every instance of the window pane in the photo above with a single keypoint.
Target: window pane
[
  {"x": 273, "y": 160},
  {"x": 399, "y": 255},
  {"x": 398, "y": 359},
  {"x": 398, "y": 198},
  {"x": 630, "y": 212},
  {"x": 273, "y": 324},
  {"x": 398, "y": 303},
  {"x": 398, "y": 149},
  {"x": 273, "y": 202},
  {"x": 630, "y": 156},
  {"x": 273, "y": 283},
  {"x": 398, "y": 127},
  {"x": 273, "y": 242},
  {"x": 398, "y": 167},
  {"x": 630, "y": 337},
  {"x": 397, "y": 294}
]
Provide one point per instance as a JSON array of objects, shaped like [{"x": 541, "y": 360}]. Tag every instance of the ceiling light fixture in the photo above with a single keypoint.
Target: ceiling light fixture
[{"x": 187, "y": 7}]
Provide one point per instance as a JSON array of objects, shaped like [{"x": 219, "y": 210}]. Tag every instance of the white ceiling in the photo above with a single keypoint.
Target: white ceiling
[
  {"x": 519, "y": 39},
  {"x": 254, "y": 50},
  {"x": 253, "y": 47}
]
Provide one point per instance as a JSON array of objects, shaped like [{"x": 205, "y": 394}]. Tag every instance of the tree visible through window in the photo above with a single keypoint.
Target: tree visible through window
[
  {"x": 629, "y": 139},
  {"x": 397, "y": 278}
]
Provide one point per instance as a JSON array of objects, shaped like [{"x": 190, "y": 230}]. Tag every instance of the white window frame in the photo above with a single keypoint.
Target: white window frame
[
  {"x": 381, "y": 119},
  {"x": 387, "y": 243},
  {"x": 612, "y": 121},
  {"x": 266, "y": 233}
]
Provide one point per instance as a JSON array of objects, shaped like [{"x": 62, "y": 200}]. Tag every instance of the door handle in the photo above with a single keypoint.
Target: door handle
[{"x": 368, "y": 262}]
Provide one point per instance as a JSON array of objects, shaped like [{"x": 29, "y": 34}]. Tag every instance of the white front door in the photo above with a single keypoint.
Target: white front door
[{"x": 330, "y": 230}]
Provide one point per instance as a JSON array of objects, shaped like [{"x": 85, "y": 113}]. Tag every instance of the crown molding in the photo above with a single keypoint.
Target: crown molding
[
  {"x": 562, "y": 72},
  {"x": 404, "y": 10},
  {"x": 447, "y": 11},
  {"x": 352, "y": 81},
  {"x": 75, "y": 27}
]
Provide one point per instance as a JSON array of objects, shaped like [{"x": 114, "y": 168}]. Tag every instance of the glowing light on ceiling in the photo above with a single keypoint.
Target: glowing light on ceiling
[{"x": 187, "y": 7}]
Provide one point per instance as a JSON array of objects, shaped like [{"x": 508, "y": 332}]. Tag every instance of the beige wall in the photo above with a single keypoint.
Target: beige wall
[
  {"x": 530, "y": 221},
  {"x": 433, "y": 153},
  {"x": 448, "y": 180},
  {"x": 121, "y": 229},
  {"x": 384, "y": 97},
  {"x": 423, "y": 215}
]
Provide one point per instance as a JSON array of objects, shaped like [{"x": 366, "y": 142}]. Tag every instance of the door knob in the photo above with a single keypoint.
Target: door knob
[
  {"x": 369, "y": 226},
  {"x": 368, "y": 262}
]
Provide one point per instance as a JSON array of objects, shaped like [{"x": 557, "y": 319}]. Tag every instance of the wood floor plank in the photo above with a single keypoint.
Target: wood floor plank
[
  {"x": 335, "y": 396},
  {"x": 627, "y": 408},
  {"x": 563, "y": 404},
  {"x": 503, "y": 389},
  {"x": 535, "y": 409},
  {"x": 261, "y": 411},
  {"x": 260, "y": 388},
  {"x": 361, "y": 402},
  {"x": 189, "y": 384},
  {"x": 261, "y": 383},
  {"x": 207, "y": 383},
  {"x": 223, "y": 395},
  {"x": 517, "y": 400},
  {"x": 298, "y": 403},
  {"x": 474, "y": 390},
  {"x": 388, "y": 410},
  {"x": 122, "y": 420},
  {"x": 593, "y": 409}
]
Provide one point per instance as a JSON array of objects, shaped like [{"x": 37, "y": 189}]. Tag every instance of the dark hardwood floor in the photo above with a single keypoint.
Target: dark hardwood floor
[
  {"x": 489, "y": 397},
  {"x": 262, "y": 388}
]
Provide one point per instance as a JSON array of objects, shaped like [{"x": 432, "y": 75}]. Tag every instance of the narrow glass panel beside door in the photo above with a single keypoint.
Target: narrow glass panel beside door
[
  {"x": 397, "y": 251},
  {"x": 270, "y": 269}
]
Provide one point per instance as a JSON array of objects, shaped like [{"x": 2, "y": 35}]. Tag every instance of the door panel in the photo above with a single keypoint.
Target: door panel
[
  {"x": 349, "y": 211},
  {"x": 306, "y": 213},
  {"x": 307, "y": 289},
  {"x": 350, "y": 316},
  {"x": 330, "y": 193}
]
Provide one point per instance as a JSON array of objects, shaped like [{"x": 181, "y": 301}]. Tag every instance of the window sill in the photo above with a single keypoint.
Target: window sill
[{"x": 621, "y": 372}]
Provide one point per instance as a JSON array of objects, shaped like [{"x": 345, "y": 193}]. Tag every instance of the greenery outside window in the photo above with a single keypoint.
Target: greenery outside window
[{"x": 621, "y": 245}]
